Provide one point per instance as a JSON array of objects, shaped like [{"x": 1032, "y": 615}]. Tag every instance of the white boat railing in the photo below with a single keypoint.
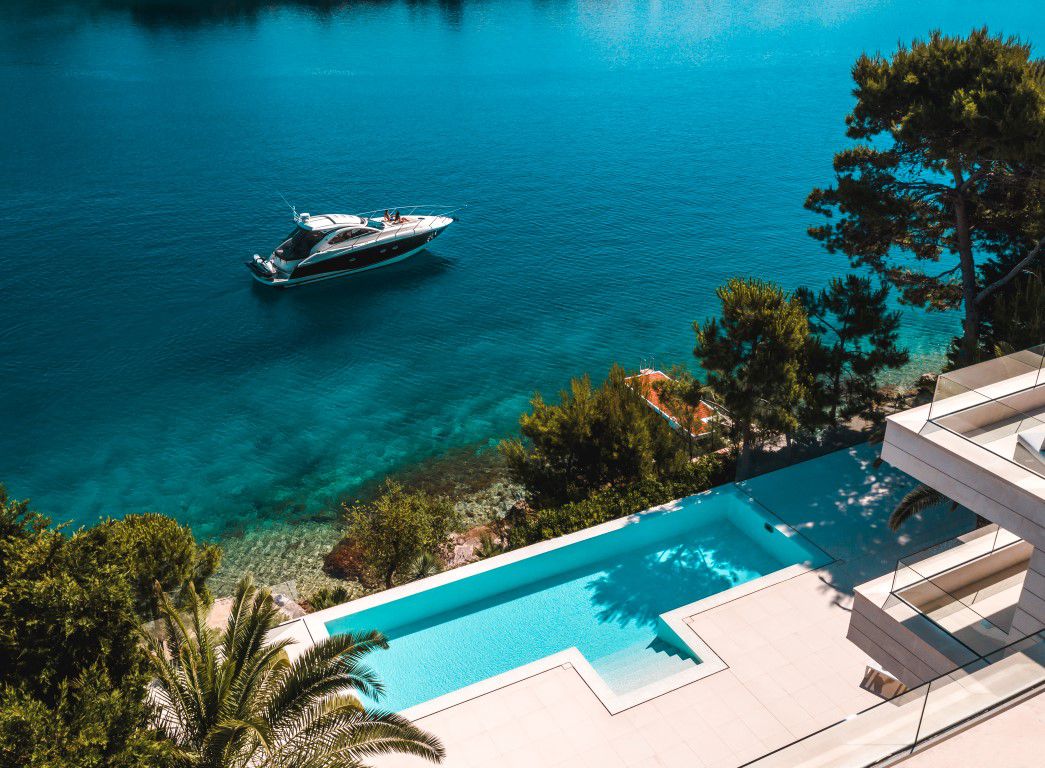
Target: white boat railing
[
  {"x": 391, "y": 231},
  {"x": 412, "y": 210}
]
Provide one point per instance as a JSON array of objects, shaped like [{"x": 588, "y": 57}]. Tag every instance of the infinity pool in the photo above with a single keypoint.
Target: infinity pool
[{"x": 601, "y": 594}]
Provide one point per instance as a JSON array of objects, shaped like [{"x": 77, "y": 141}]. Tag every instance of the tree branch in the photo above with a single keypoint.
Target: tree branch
[
  {"x": 979, "y": 174},
  {"x": 822, "y": 318},
  {"x": 1012, "y": 272},
  {"x": 950, "y": 271}
]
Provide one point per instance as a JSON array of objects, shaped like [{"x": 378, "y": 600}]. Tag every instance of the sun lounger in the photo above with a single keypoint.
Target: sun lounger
[{"x": 1030, "y": 444}]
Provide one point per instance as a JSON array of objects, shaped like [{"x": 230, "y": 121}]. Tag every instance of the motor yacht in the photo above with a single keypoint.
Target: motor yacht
[{"x": 332, "y": 245}]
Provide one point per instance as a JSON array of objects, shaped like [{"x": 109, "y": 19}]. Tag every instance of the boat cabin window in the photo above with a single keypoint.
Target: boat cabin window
[
  {"x": 347, "y": 234},
  {"x": 300, "y": 243}
]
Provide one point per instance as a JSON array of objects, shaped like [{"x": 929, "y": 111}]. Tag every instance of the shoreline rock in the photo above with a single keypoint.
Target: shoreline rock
[{"x": 295, "y": 551}]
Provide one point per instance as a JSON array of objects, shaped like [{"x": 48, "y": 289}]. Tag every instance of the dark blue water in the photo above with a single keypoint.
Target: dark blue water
[{"x": 620, "y": 159}]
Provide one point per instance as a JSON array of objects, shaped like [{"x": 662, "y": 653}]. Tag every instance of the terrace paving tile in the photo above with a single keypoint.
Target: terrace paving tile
[
  {"x": 713, "y": 750},
  {"x": 678, "y": 756},
  {"x": 553, "y": 747},
  {"x": 632, "y": 748},
  {"x": 765, "y": 688},
  {"x": 660, "y": 732},
  {"x": 602, "y": 758},
  {"x": 739, "y": 737},
  {"x": 797, "y": 721},
  {"x": 521, "y": 759}
]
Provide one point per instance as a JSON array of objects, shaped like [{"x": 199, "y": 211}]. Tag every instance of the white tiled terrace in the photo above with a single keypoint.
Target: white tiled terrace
[{"x": 789, "y": 668}]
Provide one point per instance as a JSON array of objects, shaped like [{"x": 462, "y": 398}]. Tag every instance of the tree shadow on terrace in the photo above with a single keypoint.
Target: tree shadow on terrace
[
  {"x": 842, "y": 502},
  {"x": 641, "y": 586}
]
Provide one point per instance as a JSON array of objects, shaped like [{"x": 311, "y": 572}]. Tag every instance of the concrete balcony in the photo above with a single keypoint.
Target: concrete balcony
[{"x": 943, "y": 607}]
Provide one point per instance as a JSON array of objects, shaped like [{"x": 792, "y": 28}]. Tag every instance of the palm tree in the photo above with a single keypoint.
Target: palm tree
[
  {"x": 921, "y": 498},
  {"x": 232, "y": 700}
]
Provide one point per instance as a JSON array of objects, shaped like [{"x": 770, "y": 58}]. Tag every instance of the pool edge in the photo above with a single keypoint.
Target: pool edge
[{"x": 672, "y": 625}]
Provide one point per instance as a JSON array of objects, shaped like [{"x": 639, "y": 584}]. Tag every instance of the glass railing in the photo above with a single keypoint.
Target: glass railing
[
  {"x": 967, "y": 587},
  {"x": 998, "y": 405},
  {"x": 1019, "y": 370},
  {"x": 899, "y": 726}
]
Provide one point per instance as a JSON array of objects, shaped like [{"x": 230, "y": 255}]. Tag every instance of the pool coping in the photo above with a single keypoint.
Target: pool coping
[{"x": 671, "y": 623}]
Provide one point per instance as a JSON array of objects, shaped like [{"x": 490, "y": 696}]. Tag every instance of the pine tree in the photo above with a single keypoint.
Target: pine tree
[
  {"x": 753, "y": 357},
  {"x": 949, "y": 167},
  {"x": 856, "y": 340}
]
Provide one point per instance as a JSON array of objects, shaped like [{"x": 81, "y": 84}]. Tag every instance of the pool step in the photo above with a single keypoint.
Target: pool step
[{"x": 641, "y": 664}]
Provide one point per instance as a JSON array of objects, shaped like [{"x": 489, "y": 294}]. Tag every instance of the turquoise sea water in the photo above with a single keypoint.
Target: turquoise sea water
[
  {"x": 602, "y": 595},
  {"x": 620, "y": 160}
]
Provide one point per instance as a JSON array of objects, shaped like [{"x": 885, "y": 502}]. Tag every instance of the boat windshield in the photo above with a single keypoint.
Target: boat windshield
[
  {"x": 299, "y": 244},
  {"x": 348, "y": 234}
]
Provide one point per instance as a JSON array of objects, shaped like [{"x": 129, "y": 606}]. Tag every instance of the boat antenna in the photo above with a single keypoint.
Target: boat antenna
[{"x": 291, "y": 207}]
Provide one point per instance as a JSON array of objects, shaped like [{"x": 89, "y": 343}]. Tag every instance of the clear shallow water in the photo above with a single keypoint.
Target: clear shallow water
[
  {"x": 602, "y": 595},
  {"x": 621, "y": 160}
]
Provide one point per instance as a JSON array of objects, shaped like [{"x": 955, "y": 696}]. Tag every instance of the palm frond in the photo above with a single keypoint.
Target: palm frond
[
  {"x": 233, "y": 699},
  {"x": 349, "y": 737},
  {"x": 328, "y": 667},
  {"x": 383, "y": 732},
  {"x": 915, "y": 502}
]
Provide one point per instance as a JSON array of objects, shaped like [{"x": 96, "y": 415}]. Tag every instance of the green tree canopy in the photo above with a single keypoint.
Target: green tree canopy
[
  {"x": 952, "y": 134},
  {"x": 71, "y": 668},
  {"x": 150, "y": 548},
  {"x": 93, "y": 723},
  {"x": 394, "y": 530},
  {"x": 1015, "y": 315},
  {"x": 753, "y": 358},
  {"x": 58, "y": 614},
  {"x": 856, "y": 339},
  {"x": 590, "y": 439},
  {"x": 233, "y": 699}
]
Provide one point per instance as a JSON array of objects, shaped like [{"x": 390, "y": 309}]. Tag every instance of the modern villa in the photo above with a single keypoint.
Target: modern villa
[{"x": 772, "y": 622}]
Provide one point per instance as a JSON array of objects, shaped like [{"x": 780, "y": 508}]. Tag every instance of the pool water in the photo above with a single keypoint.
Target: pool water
[{"x": 602, "y": 595}]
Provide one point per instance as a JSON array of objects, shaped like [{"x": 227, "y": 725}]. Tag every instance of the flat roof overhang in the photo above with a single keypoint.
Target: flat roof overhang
[{"x": 981, "y": 480}]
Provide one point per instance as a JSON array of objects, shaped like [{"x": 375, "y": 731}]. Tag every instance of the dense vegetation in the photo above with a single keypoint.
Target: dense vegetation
[
  {"x": 75, "y": 665},
  {"x": 854, "y": 339},
  {"x": 753, "y": 356},
  {"x": 151, "y": 548},
  {"x": 72, "y": 671},
  {"x": 611, "y": 503},
  {"x": 591, "y": 439}
]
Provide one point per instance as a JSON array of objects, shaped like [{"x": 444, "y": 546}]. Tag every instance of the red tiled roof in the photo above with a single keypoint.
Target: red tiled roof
[{"x": 646, "y": 381}]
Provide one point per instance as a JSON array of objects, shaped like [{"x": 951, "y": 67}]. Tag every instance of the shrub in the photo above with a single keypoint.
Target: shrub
[
  {"x": 612, "y": 503},
  {"x": 395, "y": 529},
  {"x": 591, "y": 439},
  {"x": 327, "y": 597},
  {"x": 489, "y": 546},
  {"x": 149, "y": 548},
  {"x": 72, "y": 689}
]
